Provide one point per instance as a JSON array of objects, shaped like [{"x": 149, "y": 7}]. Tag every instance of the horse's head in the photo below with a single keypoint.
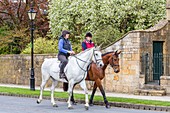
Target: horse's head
[
  {"x": 114, "y": 61},
  {"x": 97, "y": 57}
]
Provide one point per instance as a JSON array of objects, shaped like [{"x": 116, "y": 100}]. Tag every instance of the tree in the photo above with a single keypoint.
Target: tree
[
  {"x": 14, "y": 20},
  {"x": 106, "y": 19}
]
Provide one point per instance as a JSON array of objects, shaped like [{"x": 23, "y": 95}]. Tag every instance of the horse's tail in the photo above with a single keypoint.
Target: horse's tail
[{"x": 65, "y": 86}]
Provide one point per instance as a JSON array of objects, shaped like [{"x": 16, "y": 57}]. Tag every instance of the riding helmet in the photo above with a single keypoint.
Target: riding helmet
[
  {"x": 88, "y": 34},
  {"x": 64, "y": 32}
]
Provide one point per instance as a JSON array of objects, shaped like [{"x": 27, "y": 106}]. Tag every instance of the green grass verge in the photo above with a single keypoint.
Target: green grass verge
[{"x": 81, "y": 96}]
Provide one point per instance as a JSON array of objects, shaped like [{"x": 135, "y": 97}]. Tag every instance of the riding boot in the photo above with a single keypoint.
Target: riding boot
[{"x": 62, "y": 74}]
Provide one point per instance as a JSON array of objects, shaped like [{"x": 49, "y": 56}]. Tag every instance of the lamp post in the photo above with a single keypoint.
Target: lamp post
[{"x": 32, "y": 14}]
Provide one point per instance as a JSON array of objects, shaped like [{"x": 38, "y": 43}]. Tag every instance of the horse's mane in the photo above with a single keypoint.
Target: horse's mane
[
  {"x": 107, "y": 53},
  {"x": 83, "y": 52}
]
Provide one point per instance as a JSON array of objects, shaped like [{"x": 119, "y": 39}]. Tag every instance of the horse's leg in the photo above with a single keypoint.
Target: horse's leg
[
  {"x": 92, "y": 95},
  {"x": 84, "y": 87},
  {"x": 72, "y": 96},
  {"x": 98, "y": 82},
  {"x": 54, "y": 84},
  {"x": 70, "y": 90},
  {"x": 41, "y": 91}
]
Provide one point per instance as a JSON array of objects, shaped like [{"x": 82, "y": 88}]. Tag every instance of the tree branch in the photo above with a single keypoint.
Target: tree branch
[
  {"x": 18, "y": 13},
  {"x": 4, "y": 13}
]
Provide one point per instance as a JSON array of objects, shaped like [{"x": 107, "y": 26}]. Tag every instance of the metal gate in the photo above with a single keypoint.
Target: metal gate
[
  {"x": 157, "y": 59},
  {"x": 154, "y": 66},
  {"x": 157, "y": 66}
]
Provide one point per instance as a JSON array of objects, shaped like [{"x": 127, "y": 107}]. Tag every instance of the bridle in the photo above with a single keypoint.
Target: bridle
[
  {"x": 97, "y": 60},
  {"x": 112, "y": 64}
]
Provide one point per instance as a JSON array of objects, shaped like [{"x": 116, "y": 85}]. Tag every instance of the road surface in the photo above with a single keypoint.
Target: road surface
[{"x": 10, "y": 104}]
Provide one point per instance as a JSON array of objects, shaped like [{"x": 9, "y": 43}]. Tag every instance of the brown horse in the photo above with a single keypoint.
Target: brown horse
[{"x": 97, "y": 74}]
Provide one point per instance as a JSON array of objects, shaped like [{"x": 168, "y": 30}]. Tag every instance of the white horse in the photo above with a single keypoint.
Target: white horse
[{"x": 75, "y": 71}]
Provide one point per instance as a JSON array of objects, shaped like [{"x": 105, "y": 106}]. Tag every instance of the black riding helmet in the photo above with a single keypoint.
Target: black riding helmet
[{"x": 88, "y": 34}]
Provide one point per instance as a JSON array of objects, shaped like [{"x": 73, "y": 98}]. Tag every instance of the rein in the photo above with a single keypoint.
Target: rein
[
  {"x": 85, "y": 62},
  {"x": 81, "y": 67},
  {"x": 114, "y": 65},
  {"x": 80, "y": 59}
]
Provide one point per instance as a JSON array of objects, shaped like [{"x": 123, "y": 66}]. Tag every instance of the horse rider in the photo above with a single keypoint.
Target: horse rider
[
  {"x": 87, "y": 43},
  {"x": 65, "y": 50}
]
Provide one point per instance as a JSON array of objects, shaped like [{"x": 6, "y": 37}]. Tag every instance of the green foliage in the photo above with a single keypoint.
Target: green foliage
[
  {"x": 4, "y": 50},
  {"x": 3, "y": 33},
  {"x": 76, "y": 46},
  {"x": 106, "y": 19},
  {"x": 41, "y": 46},
  {"x": 12, "y": 41}
]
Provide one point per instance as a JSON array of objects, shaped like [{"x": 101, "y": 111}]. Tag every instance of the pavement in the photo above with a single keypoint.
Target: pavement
[{"x": 108, "y": 94}]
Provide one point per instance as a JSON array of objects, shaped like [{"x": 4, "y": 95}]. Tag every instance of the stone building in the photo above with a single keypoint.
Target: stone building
[{"x": 144, "y": 61}]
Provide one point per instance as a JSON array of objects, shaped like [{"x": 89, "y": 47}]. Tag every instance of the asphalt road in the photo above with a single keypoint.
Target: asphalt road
[{"x": 9, "y": 104}]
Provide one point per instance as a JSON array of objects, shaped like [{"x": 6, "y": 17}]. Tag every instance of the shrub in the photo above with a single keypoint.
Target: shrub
[{"x": 42, "y": 45}]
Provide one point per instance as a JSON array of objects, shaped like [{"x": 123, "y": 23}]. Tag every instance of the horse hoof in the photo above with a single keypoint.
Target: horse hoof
[
  {"x": 55, "y": 105},
  {"x": 86, "y": 107},
  {"x": 91, "y": 104},
  {"x": 74, "y": 103},
  {"x": 38, "y": 102},
  {"x": 108, "y": 106},
  {"x": 70, "y": 107}
]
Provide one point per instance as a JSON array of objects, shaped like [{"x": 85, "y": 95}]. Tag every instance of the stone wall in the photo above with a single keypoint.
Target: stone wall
[
  {"x": 15, "y": 69},
  {"x": 127, "y": 80}
]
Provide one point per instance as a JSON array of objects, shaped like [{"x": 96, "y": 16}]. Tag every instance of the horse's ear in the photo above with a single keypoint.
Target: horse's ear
[
  {"x": 118, "y": 52},
  {"x": 101, "y": 45},
  {"x": 97, "y": 48}
]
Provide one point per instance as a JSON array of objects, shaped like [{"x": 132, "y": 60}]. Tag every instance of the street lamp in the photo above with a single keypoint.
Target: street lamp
[{"x": 32, "y": 14}]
